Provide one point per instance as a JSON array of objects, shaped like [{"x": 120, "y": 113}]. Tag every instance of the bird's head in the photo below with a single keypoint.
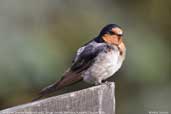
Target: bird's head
[{"x": 111, "y": 34}]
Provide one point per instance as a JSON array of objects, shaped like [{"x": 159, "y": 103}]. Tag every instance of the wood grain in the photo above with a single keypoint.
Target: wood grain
[{"x": 94, "y": 100}]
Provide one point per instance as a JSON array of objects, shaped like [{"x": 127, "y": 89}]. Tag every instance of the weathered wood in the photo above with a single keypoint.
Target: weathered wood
[{"x": 94, "y": 100}]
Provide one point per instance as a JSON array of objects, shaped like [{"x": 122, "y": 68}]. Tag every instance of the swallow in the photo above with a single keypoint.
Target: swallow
[{"x": 95, "y": 61}]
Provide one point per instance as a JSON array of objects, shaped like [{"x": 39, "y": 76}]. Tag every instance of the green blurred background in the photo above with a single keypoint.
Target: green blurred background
[{"x": 38, "y": 39}]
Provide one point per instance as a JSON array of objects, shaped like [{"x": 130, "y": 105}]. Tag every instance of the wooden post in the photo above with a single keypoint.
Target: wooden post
[{"x": 94, "y": 100}]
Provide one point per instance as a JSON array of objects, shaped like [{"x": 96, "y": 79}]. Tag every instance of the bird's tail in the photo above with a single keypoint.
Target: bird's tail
[
  {"x": 50, "y": 89},
  {"x": 67, "y": 79}
]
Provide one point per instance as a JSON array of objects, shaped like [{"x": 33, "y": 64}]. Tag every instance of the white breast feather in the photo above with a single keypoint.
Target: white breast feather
[{"x": 106, "y": 64}]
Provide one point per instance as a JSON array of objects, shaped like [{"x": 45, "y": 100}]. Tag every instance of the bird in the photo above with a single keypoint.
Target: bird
[{"x": 93, "y": 62}]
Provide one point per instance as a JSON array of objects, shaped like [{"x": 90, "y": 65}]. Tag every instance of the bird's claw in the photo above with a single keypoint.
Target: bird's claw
[{"x": 107, "y": 83}]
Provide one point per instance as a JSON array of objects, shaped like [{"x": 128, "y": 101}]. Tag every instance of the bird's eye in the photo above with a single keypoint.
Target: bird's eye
[
  {"x": 119, "y": 35},
  {"x": 111, "y": 33}
]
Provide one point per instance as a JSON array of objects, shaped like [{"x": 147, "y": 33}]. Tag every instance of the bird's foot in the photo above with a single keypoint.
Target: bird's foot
[
  {"x": 98, "y": 82},
  {"x": 107, "y": 83}
]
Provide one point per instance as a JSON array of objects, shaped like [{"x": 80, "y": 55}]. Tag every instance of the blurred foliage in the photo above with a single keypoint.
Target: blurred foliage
[{"x": 38, "y": 39}]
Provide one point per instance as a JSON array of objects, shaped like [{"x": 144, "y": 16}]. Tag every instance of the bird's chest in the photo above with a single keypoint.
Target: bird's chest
[{"x": 105, "y": 65}]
